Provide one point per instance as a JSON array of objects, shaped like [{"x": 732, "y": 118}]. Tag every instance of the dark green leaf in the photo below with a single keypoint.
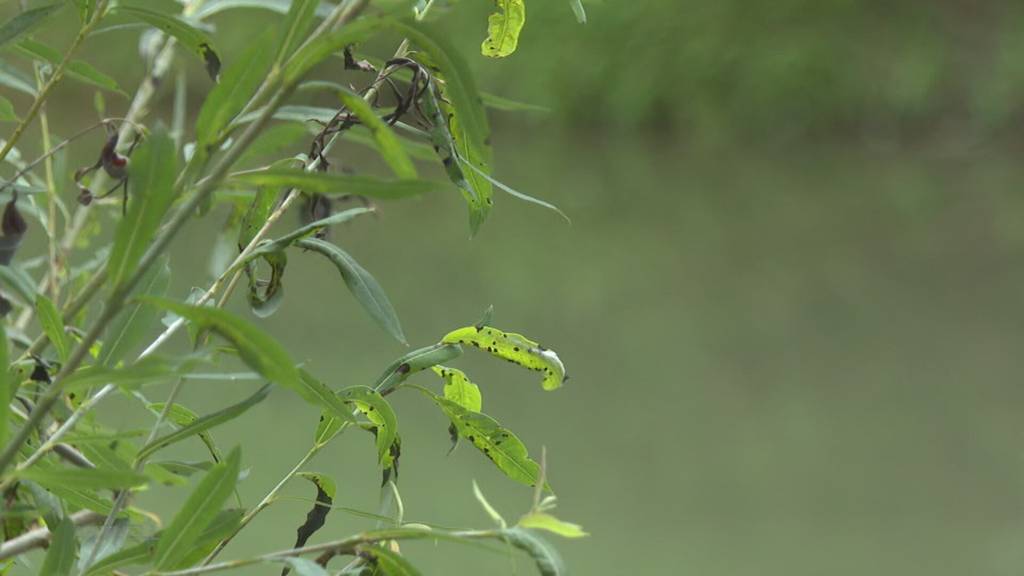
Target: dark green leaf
[
  {"x": 182, "y": 417},
  {"x": 149, "y": 370},
  {"x": 321, "y": 48},
  {"x": 130, "y": 327},
  {"x": 131, "y": 556},
  {"x": 5, "y": 387},
  {"x": 205, "y": 423},
  {"x": 336, "y": 184},
  {"x": 387, "y": 143},
  {"x": 266, "y": 296},
  {"x": 503, "y": 28},
  {"x": 27, "y": 20},
  {"x": 83, "y": 478},
  {"x": 361, "y": 284},
  {"x": 224, "y": 525},
  {"x": 60, "y": 558},
  {"x": 227, "y": 99},
  {"x": 153, "y": 170},
  {"x": 257, "y": 349},
  {"x": 296, "y": 26},
  {"x": 414, "y": 362},
  {"x": 53, "y": 326},
  {"x": 77, "y": 69},
  {"x": 183, "y": 32},
  {"x": 198, "y": 512}
]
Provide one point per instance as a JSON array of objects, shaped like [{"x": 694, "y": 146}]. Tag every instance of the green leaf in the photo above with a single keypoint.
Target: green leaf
[
  {"x": 335, "y": 184},
  {"x": 459, "y": 389},
  {"x": 416, "y": 361},
  {"x": 211, "y": 7},
  {"x": 203, "y": 424},
  {"x": 257, "y": 349},
  {"x": 361, "y": 284},
  {"x": 503, "y": 28},
  {"x": 296, "y": 26},
  {"x": 303, "y": 566},
  {"x": 389, "y": 563},
  {"x": 266, "y": 296},
  {"x": 133, "y": 325},
  {"x": 377, "y": 410},
  {"x": 60, "y": 558},
  {"x": 5, "y": 387},
  {"x": 7, "y": 113},
  {"x": 549, "y": 563},
  {"x": 323, "y": 46},
  {"x": 387, "y": 143},
  {"x": 183, "y": 32},
  {"x": 545, "y": 521},
  {"x": 16, "y": 79},
  {"x": 149, "y": 370},
  {"x": 224, "y": 525},
  {"x": 577, "y": 9},
  {"x": 77, "y": 69},
  {"x": 131, "y": 556},
  {"x": 256, "y": 215},
  {"x": 198, "y": 512},
  {"x": 83, "y": 478},
  {"x": 53, "y": 326},
  {"x": 314, "y": 227},
  {"x": 230, "y": 96},
  {"x": 515, "y": 348},
  {"x": 25, "y": 21},
  {"x": 153, "y": 171},
  {"x": 182, "y": 417},
  {"x": 317, "y": 393},
  {"x": 508, "y": 105},
  {"x": 499, "y": 444}
]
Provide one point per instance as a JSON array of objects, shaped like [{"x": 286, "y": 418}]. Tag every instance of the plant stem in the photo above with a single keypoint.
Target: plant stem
[{"x": 56, "y": 77}]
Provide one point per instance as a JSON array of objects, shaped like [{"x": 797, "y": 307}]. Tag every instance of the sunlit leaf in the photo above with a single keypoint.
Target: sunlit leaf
[
  {"x": 336, "y": 184},
  {"x": 361, "y": 284},
  {"x": 60, "y": 558},
  {"x": 204, "y": 423},
  {"x": 459, "y": 389},
  {"x": 515, "y": 348},
  {"x": 498, "y": 444},
  {"x": 545, "y": 521},
  {"x": 183, "y": 32},
  {"x": 198, "y": 512},
  {"x": 25, "y": 21},
  {"x": 152, "y": 170},
  {"x": 52, "y": 323},
  {"x": 387, "y": 143},
  {"x": 503, "y": 28}
]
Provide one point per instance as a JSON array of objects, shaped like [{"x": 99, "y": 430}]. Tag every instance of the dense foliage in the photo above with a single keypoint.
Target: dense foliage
[{"x": 104, "y": 312}]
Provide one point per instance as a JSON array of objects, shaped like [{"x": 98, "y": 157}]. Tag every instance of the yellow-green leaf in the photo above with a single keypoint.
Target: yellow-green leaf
[
  {"x": 459, "y": 389},
  {"x": 503, "y": 28},
  {"x": 515, "y": 348},
  {"x": 545, "y": 521}
]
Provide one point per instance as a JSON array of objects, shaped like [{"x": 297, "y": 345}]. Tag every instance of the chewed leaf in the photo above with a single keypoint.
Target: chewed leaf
[
  {"x": 503, "y": 28},
  {"x": 515, "y": 348},
  {"x": 416, "y": 361},
  {"x": 499, "y": 444},
  {"x": 545, "y": 521},
  {"x": 377, "y": 410},
  {"x": 325, "y": 492},
  {"x": 459, "y": 389}
]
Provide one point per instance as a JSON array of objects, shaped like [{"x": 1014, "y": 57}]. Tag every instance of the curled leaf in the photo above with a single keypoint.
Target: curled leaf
[
  {"x": 515, "y": 348},
  {"x": 503, "y": 28}
]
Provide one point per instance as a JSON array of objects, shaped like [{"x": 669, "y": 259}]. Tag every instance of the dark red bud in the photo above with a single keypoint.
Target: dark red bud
[
  {"x": 13, "y": 224},
  {"x": 84, "y": 196}
]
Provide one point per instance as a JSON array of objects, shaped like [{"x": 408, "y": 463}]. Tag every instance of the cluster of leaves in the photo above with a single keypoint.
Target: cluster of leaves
[{"x": 66, "y": 479}]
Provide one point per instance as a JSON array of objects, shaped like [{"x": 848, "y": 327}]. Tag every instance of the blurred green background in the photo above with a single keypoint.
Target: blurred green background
[{"x": 789, "y": 300}]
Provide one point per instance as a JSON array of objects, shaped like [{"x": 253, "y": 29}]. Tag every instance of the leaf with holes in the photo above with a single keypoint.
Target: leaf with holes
[
  {"x": 515, "y": 348},
  {"x": 503, "y": 28}
]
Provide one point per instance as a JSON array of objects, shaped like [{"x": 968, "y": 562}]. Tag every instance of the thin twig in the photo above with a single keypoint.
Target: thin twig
[{"x": 40, "y": 537}]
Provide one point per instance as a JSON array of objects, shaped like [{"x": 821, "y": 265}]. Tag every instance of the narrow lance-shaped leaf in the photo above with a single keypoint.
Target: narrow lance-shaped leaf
[
  {"x": 335, "y": 184},
  {"x": 25, "y": 21},
  {"x": 5, "y": 387},
  {"x": 579, "y": 11},
  {"x": 227, "y": 99},
  {"x": 60, "y": 558},
  {"x": 152, "y": 172},
  {"x": 203, "y": 424},
  {"x": 515, "y": 348},
  {"x": 503, "y": 28},
  {"x": 415, "y": 361},
  {"x": 296, "y": 25},
  {"x": 53, "y": 326},
  {"x": 183, "y": 32},
  {"x": 150, "y": 370},
  {"x": 78, "y": 69},
  {"x": 323, "y": 46},
  {"x": 181, "y": 417},
  {"x": 361, "y": 284},
  {"x": 377, "y": 410},
  {"x": 498, "y": 444},
  {"x": 201, "y": 508},
  {"x": 257, "y": 349},
  {"x": 388, "y": 562},
  {"x": 83, "y": 478},
  {"x": 130, "y": 327},
  {"x": 387, "y": 143},
  {"x": 545, "y": 521}
]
